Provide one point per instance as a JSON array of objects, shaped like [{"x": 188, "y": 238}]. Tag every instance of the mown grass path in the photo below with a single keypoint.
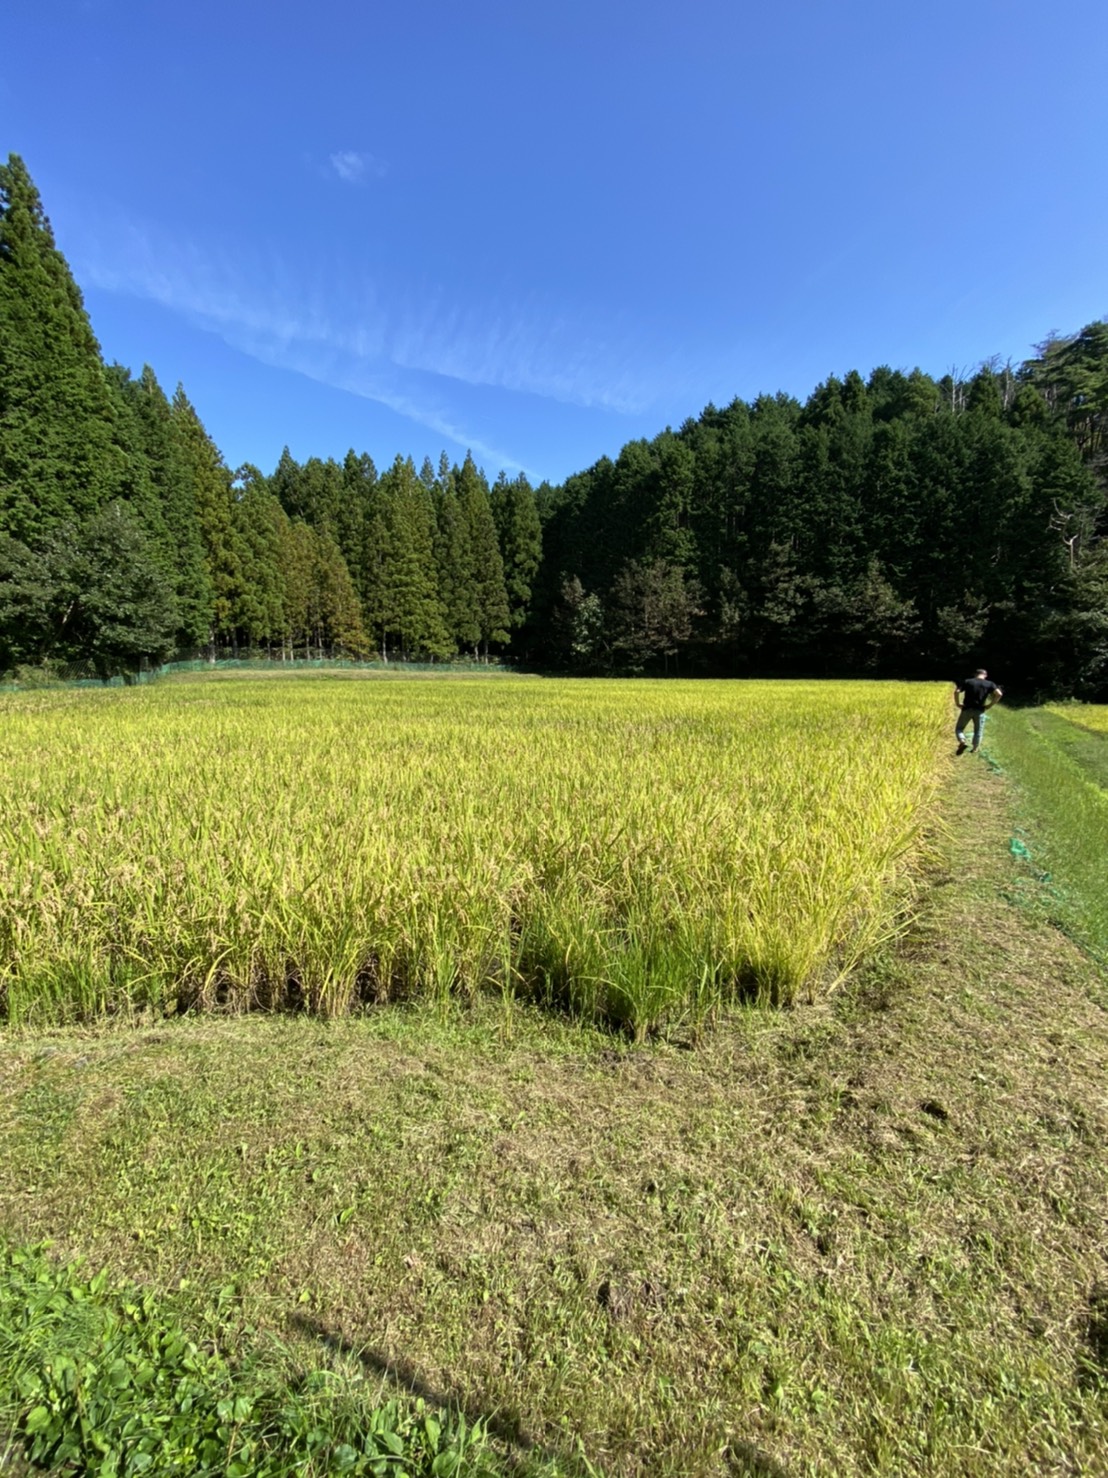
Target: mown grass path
[
  {"x": 861, "y": 1237},
  {"x": 1059, "y": 768}
]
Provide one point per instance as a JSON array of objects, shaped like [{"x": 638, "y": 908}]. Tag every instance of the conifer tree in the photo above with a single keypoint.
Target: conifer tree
[
  {"x": 135, "y": 485},
  {"x": 408, "y": 606},
  {"x": 359, "y": 476},
  {"x": 340, "y": 614},
  {"x": 211, "y": 483},
  {"x": 58, "y": 458},
  {"x": 319, "y": 495},
  {"x": 373, "y": 569},
  {"x": 485, "y": 564},
  {"x": 456, "y": 584},
  {"x": 300, "y": 606},
  {"x": 260, "y": 615},
  {"x": 285, "y": 483},
  {"x": 166, "y": 503},
  {"x": 173, "y": 486},
  {"x": 520, "y": 536}
]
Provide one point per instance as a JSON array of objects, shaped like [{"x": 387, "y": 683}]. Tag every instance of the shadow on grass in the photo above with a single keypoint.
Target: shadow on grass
[
  {"x": 1095, "y": 1364},
  {"x": 743, "y": 1459},
  {"x": 403, "y": 1374}
]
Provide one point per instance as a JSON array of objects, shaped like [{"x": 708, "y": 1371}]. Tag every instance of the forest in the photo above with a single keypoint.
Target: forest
[{"x": 895, "y": 525}]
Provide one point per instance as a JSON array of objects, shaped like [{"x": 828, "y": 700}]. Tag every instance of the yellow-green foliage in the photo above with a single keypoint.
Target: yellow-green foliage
[
  {"x": 631, "y": 850},
  {"x": 1088, "y": 715}
]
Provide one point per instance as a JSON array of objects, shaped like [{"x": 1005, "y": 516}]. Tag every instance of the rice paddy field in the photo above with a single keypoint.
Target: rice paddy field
[
  {"x": 1088, "y": 715},
  {"x": 632, "y": 852},
  {"x": 531, "y": 1222}
]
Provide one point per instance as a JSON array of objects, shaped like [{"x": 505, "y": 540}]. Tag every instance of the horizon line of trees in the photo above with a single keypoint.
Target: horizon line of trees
[
  {"x": 892, "y": 526},
  {"x": 898, "y": 525}
]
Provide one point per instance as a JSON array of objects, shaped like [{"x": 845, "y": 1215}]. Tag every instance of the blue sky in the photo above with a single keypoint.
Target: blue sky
[{"x": 539, "y": 231}]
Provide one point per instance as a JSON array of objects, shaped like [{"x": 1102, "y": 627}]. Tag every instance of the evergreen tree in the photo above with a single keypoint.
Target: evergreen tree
[
  {"x": 407, "y": 608},
  {"x": 889, "y": 525},
  {"x": 124, "y": 614},
  {"x": 285, "y": 484},
  {"x": 1071, "y": 374},
  {"x": 454, "y": 561},
  {"x": 135, "y": 485},
  {"x": 59, "y": 460},
  {"x": 211, "y": 483},
  {"x": 342, "y": 629},
  {"x": 173, "y": 486},
  {"x": 373, "y": 570},
  {"x": 653, "y": 606},
  {"x": 520, "y": 537},
  {"x": 320, "y": 494},
  {"x": 259, "y": 616},
  {"x": 300, "y": 607},
  {"x": 486, "y": 566},
  {"x": 359, "y": 477}
]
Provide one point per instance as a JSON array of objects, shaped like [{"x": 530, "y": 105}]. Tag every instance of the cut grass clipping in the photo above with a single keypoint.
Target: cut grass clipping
[{"x": 634, "y": 852}]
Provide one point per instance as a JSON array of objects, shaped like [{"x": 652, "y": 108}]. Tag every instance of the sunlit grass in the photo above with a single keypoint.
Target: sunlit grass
[
  {"x": 1059, "y": 759},
  {"x": 633, "y": 852},
  {"x": 1088, "y": 715}
]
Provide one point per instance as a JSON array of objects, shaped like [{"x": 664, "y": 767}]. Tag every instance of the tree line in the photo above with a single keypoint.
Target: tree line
[
  {"x": 898, "y": 525},
  {"x": 124, "y": 536},
  {"x": 892, "y": 525}
]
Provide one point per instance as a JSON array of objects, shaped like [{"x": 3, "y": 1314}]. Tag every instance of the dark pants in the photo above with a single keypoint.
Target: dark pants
[{"x": 978, "y": 717}]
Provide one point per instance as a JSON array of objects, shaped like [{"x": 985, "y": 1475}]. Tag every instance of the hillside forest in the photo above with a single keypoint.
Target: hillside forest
[{"x": 895, "y": 525}]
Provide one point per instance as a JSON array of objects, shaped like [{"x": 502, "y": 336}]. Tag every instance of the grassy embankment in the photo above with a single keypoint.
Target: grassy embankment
[
  {"x": 1058, "y": 760},
  {"x": 863, "y": 1236}
]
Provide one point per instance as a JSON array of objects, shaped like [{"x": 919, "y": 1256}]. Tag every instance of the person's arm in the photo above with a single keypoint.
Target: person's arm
[
  {"x": 994, "y": 697},
  {"x": 957, "y": 690}
]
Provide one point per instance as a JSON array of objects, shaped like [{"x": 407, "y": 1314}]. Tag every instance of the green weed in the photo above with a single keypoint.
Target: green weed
[{"x": 95, "y": 1379}]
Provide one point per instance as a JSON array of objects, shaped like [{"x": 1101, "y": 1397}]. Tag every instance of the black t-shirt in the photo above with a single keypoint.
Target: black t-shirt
[{"x": 975, "y": 691}]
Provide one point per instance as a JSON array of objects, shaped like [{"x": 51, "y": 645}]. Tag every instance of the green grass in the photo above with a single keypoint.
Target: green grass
[
  {"x": 1061, "y": 771},
  {"x": 860, "y": 1237},
  {"x": 107, "y": 1381}
]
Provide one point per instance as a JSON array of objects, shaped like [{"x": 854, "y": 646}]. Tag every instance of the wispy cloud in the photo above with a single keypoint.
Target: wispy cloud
[
  {"x": 404, "y": 349},
  {"x": 218, "y": 295},
  {"x": 524, "y": 347},
  {"x": 356, "y": 168}
]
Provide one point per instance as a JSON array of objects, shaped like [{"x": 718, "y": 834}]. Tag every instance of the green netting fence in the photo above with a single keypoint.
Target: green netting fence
[{"x": 85, "y": 675}]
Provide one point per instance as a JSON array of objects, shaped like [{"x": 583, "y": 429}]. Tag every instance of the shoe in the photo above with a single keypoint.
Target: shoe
[
  {"x": 961, "y": 747},
  {"x": 974, "y": 749}
]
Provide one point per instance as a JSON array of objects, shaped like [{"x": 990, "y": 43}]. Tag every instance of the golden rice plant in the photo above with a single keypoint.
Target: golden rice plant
[
  {"x": 631, "y": 851},
  {"x": 1088, "y": 715}
]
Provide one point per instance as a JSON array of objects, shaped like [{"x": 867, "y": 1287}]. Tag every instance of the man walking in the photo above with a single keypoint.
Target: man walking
[{"x": 978, "y": 695}]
